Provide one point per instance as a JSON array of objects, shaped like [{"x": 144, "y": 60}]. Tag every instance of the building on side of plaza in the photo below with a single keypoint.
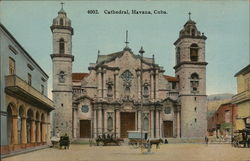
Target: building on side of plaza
[
  {"x": 242, "y": 98},
  {"x": 108, "y": 98},
  {"x": 222, "y": 122},
  {"x": 25, "y": 107}
]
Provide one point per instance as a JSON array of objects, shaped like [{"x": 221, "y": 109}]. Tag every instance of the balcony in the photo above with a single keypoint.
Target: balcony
[
  {"x": 241, "y": 97},
  {"x": 173, "y": 94},
  {"x": 17, "y": 87}
]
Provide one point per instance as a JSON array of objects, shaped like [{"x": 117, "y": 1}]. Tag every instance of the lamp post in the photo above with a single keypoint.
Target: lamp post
[{"x": 141, "y": 52}]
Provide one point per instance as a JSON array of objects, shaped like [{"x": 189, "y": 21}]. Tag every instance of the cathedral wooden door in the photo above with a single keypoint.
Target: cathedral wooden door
[
  {"x": 85, "y": 129},
  {"x": 168, "y": 128},
  {"x": 127, "y": 123}
]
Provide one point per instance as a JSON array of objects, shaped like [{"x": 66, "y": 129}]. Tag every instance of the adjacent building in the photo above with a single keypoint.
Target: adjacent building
[
  {"x": 25, "y": 107},
  {"x": 242, "y": 98},
  {"x": 108, "y": 99},
  {"x": 222, "y": 122}
]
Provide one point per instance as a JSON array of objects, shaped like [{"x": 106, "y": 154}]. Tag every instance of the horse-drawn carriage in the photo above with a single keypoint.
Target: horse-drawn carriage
[
  {"x": 62, "y": 141},
  {"x": 108, "y": 139},
  {"x": 137, "y": 138},
  {"x": 241, "y": 138},
  {"x": 140, "y": 138}
]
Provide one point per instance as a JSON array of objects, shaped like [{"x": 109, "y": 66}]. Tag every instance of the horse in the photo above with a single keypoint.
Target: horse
[
  {"x": 155, "y": 141},
  {"x": 98, "y": 140}
]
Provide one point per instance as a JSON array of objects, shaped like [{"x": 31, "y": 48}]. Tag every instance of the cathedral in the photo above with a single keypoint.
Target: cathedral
[{"x": 124, "y": 91}]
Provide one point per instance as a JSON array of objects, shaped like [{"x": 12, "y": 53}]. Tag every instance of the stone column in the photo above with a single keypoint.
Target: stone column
[
  {"x": 139, "y": 84},
  {"x": 46, "y": 132},
  {"x": 38, "y": 135},
  {"x": 157, "y": 85},
  {"x": 139, "y": 120},
  {"x": 95, "y": 124},
  {"x": 75, "y": 123},
  {"x": 160, "y": 125},
  {"x": 136, "y": 120},
  {"x": 14, "y": 130},
  {"x": 99, "y": 85},
  {"x": 113, "y": 118},
  {"x": 24, "y": 131},
  {"x": 105, "y": 121},
  {"x": 152, "y": 123},
  {"x": 99, "y": 121},
  {"x": 178, "y": 124},
  {"x": 118, "y": 123},
  {"x": 104, "y": 88},
  {"x": 152, "y": 85},
  {"x": 33, "y": 131},
  {"x": 116, "y": 84},
  {"x": 157, "y": 124},
  {"x": 43, "y": 132}
]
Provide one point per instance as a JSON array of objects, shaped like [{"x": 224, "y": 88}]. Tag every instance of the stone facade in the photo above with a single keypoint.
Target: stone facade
[
  {"x": 124, "y": 91},
  {"x": 25, "y": 107},
  {"x": 242, "y": 98},
  {"x": 62, "y": 70}
]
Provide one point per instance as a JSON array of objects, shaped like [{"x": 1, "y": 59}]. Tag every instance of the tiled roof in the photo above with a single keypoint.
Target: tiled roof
[
  {"x": 78, "y": 76},
  {"x": 170, "y": 78}
]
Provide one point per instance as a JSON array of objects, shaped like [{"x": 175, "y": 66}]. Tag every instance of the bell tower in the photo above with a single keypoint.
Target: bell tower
[
  {"x": 190, "y": 69},
  {"x": 62, "y": 59}
]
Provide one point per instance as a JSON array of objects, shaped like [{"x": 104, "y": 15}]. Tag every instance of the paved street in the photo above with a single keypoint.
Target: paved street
[{"x": 167, "y": 152}]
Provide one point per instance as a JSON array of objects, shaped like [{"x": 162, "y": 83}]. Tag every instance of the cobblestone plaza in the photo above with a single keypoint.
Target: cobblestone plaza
[{"x": 167, "y": 152}]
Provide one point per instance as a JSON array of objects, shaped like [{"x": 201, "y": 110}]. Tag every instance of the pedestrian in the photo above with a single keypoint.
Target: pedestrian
[
  {"x": 166, "y": 141},
  {"x": 206, "y": 140}
]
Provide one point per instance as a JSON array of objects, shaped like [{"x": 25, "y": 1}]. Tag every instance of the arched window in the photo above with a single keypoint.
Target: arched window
[
  {"x": 178, "y": 56},
  {"x": 194, "y": 52},
  {"x": 146, "y": 91},
  {"x": 61, "y": 46},
  {"x": 193, "y": 32},
  {"x": 61, "y": 77},
  {"x": 110, "y": 93},
  {"x": 110, "y": 124},
  {"x": 194, "y": 82},
  {"x": 194, "y": 76},
  {"x": 61, "y": 21}
]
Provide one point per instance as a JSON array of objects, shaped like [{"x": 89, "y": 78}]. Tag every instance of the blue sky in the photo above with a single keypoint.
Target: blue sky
[{"x": 226, "y": 24}]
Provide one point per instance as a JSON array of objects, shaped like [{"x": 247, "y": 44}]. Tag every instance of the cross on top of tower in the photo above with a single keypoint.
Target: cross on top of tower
[
  {"x": 126, "y": 42},
  {"x": 189, "y": 15},
  {"x": 62, "y": 4}
]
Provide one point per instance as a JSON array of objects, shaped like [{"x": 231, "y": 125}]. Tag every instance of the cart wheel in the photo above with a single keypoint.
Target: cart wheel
[
  {"x": 135, "y": 145},
  {"x": 101, "y": 143}
]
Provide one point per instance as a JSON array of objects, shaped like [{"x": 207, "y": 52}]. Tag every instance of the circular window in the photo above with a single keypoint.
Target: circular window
[
  {"x": 85, "y": 108},
  {"x": 167, "y": 110}
]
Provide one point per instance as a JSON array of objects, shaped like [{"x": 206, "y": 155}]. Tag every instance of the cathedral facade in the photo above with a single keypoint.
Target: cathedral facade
[{"x": 124, "y": 91}]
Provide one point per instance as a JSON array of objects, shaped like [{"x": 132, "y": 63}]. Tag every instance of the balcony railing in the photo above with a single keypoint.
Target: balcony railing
[{"x": 17, "y": 86}]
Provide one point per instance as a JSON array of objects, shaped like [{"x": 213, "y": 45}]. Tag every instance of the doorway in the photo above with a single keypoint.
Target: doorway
[{"x": 127, "y": 123}]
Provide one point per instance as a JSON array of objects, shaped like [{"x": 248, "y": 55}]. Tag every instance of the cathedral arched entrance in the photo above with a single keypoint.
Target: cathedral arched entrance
[
  {"x": 127, "y": 123},
  {"x": 168, "y": 129},
  {"x": 85, "y": 128}
]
